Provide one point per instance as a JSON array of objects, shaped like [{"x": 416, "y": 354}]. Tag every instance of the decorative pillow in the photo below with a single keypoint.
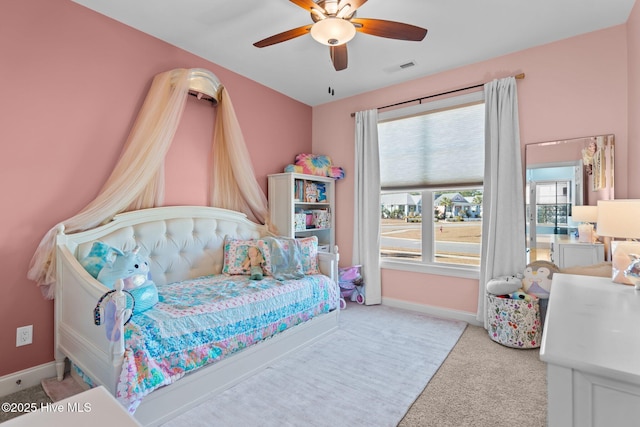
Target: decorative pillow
[
  {"x": 308, "y": 247},
  {"x": 285, "y": 258},
  {"x": 236, "y": 253},
  {"x": 99, "y": 255}
]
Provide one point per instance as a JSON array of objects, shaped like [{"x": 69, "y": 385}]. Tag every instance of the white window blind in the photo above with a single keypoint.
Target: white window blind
[{"x": 439, "y": 148}]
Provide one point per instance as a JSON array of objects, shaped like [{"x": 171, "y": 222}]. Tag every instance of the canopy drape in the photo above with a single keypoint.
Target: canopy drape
[
  {"x": 234, "y": 184},
  {"x": 137, "y": 180}
]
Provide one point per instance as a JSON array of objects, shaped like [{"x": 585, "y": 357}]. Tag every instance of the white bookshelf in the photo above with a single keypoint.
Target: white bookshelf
[{"x": 292, "y": 194}]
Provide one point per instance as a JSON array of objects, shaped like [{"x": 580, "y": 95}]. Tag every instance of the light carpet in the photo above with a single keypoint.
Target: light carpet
[{"x": 367, "y": 373}]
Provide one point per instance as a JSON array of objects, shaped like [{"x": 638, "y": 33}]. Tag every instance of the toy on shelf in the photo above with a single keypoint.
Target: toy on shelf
[{"x": 315, "y": 164}]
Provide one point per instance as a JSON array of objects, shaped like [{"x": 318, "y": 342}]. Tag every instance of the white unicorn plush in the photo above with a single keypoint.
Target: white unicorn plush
[{"x": 632, "y": 272}]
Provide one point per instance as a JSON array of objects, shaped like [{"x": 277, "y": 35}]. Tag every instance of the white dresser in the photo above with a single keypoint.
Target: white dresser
[
  {"x": 571, "y": 253},
  {"x": 591, "y": 344}
]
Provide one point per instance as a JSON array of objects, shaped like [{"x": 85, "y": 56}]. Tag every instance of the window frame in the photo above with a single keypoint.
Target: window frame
[{"x": 426, "y": 265}]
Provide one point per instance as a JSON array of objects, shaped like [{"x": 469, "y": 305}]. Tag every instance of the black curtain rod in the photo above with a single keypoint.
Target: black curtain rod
[{"x": 518, "y": 76}]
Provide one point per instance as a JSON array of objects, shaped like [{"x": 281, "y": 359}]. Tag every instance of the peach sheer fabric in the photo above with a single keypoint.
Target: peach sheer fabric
[
  {"x": 137, "y": 181},
  {"x": 233, "y": 184}
]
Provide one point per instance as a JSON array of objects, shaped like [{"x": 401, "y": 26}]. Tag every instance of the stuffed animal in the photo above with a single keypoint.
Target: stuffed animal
[
  {"x": 254, "y": 263},
  {"x": 504, "y": 285},
  {"x": 315, "y": 164},
  {"x": 523, "y": 296},
  {"x": 133, "y": 269},
  {"x": 537, "y": 278},
  {"x": 632, "y": 272}
]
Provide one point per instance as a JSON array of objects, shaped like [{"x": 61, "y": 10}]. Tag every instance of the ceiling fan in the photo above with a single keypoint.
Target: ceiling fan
[{"x": 334, "y": 24}]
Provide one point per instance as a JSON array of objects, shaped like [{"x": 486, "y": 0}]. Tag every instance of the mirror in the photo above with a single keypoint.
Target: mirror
[{"x": 560, "y": 175}]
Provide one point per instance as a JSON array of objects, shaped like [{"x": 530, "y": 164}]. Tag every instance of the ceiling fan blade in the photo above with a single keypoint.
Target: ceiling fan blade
[
  {"x": 339, "y": 56},
  {"x": 389, "y": 29},
  {"x": 284, "y": 36},
  {"x": 308, "y": 5},
  {"x": 353, "y": 5}
]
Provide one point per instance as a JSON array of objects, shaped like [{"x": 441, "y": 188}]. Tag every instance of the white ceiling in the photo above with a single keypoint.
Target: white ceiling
[{"x": 460, "y": 32}]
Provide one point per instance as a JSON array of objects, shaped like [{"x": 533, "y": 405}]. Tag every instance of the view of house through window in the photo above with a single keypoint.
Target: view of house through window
[
  {"x": 431, "y": 182},
  {"x": 455, "y": 223}
]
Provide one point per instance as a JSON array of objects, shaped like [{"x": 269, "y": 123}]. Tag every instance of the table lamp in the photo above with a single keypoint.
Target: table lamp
[
  {"x": 619, "y": 218},
  {"x": 587, "y": 215}
]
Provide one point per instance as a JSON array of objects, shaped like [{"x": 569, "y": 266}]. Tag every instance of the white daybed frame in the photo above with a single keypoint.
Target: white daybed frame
[{"x": 183, "y": 242}]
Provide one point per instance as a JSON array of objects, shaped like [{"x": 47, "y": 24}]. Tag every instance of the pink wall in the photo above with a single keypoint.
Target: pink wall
[
  {"x": 73, "y": 82},
  {"x": 575, "y": 87},
  {"x": 633, "y": 49}
]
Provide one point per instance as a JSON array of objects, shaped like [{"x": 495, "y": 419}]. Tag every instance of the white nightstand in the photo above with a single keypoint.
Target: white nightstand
[
  {"x": 571, "y": 253},
  {"x": 94, "y": 407}
]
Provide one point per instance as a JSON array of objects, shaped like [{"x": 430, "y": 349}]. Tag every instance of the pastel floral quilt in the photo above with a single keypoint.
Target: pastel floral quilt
[{"x": 201, "y": 321}]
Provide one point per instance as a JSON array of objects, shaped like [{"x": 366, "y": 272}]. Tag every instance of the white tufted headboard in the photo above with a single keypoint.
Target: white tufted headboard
[{"x": 181, "y": 242}]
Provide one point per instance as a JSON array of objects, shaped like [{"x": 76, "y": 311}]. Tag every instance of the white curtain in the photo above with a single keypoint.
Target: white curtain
[
  {"x": 503, "y": 220},
  {"x": 366, "y": 219},
  {"x": 137, "y": 181}
]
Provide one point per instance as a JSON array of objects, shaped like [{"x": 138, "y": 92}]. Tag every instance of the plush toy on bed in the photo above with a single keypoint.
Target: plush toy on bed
[
  {"x": 133, "y": 269},
  {"x": 315, "y": 164},
  {"x": 254, "y": 263}
]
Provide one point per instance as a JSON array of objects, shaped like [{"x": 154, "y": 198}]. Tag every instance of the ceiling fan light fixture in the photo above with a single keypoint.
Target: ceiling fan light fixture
[
  {"x": 333, "y": 31},
  {"x": 344, "y": 11}
]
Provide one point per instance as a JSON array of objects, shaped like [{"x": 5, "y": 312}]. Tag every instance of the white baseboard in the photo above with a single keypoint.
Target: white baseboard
[
  {"x": 26, "y": 378},
  {"x": 444, "y": 313}
]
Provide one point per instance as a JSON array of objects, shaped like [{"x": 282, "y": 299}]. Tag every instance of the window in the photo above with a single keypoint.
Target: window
[
  {"x": 431, "y": 173},
  {"x": 552, "y": 205}
]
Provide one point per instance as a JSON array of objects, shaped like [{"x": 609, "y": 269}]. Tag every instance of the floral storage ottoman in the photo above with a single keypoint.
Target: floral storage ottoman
[{"x": 513, "y": 322}]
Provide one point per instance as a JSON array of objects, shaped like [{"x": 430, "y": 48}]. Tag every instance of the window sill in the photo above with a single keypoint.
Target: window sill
[{"x": 440, "y": 270}]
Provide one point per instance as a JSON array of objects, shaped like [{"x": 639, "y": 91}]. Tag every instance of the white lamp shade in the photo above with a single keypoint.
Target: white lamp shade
[
  {"x": 619, "y": 218},
  {"x": 333, "y": 31},
  {"x": 585, "y": 213}
]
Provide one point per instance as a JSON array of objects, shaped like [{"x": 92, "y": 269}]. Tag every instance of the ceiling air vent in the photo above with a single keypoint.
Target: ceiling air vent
[{"x": 407, "y": 65}]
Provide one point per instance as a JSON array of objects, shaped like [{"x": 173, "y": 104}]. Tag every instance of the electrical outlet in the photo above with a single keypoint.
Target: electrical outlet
[{"x": 24, "y": 335}]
